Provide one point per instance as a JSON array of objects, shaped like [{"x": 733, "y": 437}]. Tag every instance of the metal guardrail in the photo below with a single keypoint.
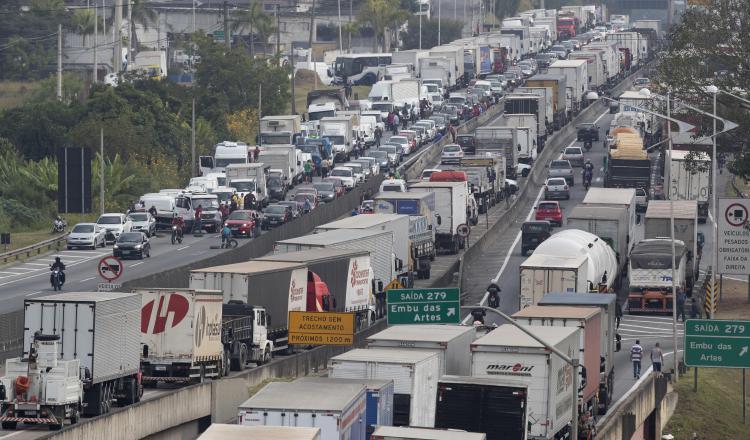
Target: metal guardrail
[{"x": 34, "y": 249}]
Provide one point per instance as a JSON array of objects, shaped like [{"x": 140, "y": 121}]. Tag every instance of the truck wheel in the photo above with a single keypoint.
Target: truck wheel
[
  {"x": 55, "y": 426},
  {"x": 454, "y": 249},
  {"x": 225, "y": 364},
  {"x": 74, "y": 416},
  {"x": 266, "y": 356},
  {"x": 9, "y": 425}
]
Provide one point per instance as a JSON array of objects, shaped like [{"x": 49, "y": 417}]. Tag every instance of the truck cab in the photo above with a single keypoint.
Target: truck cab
[
  {"x": 225, "y": 153},
  {"x": 533, "y": 233},
  {"x": 249, "y": 178},
  {"x": 187, "y": 203}
]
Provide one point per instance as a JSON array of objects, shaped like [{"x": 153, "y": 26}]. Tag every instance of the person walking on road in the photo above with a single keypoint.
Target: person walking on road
[
  {"x": 657, "y": 358},
  {"x": 378, "y": 135},
  {"x": 395, "y": 124},
  {"x": 636, "y": 354},
  {"x": 681, "y": 306},
  {"x": 618, "y": 313},
  {"x": 308, "y": 171},
  {"x": 695, "y": 309}
]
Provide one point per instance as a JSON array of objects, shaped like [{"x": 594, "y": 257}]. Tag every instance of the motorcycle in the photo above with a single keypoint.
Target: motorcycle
[
  {"x": 587, "y": 144},
  {"x": 587, "y": 175},
  {"x": 57, "y": 278},
  {"x": 176, "y": 234},
  {"x": 58, "y": 226}
]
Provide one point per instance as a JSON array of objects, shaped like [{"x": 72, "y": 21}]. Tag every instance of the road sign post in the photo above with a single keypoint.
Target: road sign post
[
  {"x": 717, "y": 343},
  {"x": 110, "y": 268},
  {"x": 321, "y": 328},
  {"x": 424, "y": 306},
  {"x": 733, "y": 246}
]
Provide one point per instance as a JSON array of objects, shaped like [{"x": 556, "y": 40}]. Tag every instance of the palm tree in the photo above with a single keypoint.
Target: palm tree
[
  {"x": 349, "y": 28},
  {"x": 382, "y": 14},
  {"x": 83, "y": 22},
  {"x": 253, "y": 19},
  {"x": 144, "y": 16}
]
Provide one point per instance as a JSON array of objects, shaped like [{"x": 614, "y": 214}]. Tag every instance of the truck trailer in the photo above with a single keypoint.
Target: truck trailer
[
  {"x": 81, "y": 355},
  {"x": 221, "y": 431},
  {"x": 687, "y": 175},
  {"x": 451, "y": 200},
  {"x": 685, "y": 212}
]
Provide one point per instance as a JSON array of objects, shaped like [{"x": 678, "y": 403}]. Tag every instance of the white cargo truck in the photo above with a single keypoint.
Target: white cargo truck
[
  {"x": 396, "y": 224},
  {"x": 576, "y": 78},
  {"x": 339, "y": 411},
  {"x": 456, "y": 55},
  {"x": 408, "y": 433},
  {"x": 450, "y": 341},
  {"x": 622, "y": 197},
  {"x": 451, "y": 199},
  {"x": 378, "y": 243},
  {"x": 249, "y": 178},
  {"x": 81, "y": 354},
  {"x": 685, "y": 212},
  {"x": 595, "y": 68},
  {"x": 283, "y": 158},
  {"x": 509, "y": 353},
  {"x": 499, "y": 141},
  {"x": 439, "y": 70},
  {"x": 414, "y": 373},
  {"x": 339, "y": 130},
  {"x": 689, "y": 180},
  {"x": 610, "y": 223},
  {"x": 527, "y": 135},
  {"x": 280, "y": 130},
  {"x": 220, "y": 431},
  {"x": 411, "y": 57},
  {"x": 547, "y": 101}
]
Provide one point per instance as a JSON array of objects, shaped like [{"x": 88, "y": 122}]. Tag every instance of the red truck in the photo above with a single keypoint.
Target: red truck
[{"x": 567, "y": 27}]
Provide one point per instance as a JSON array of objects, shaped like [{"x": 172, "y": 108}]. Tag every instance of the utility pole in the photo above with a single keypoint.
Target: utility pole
[
  {"x": 671, "y": 228},
  {"x": 192, "y": 142},
  {"x": 291, "y": 59},
  {"x": 310, "y": 43},
  {"x": 59, "y": 62},
  {"x": 116, "y": 35},
  {"x": 130, "y": 34},
  {"x": 341, "y": 39},
  {"x": 349, "y": 46},
  {"x": 226, "y": 24},
  {"x": 278, "y": 34},
  {"x": 101, "y": 169},
  {"x": 439, "y": 20},
  {"x": 96, "y": 43},
  {"x": 260, "y": 105}
]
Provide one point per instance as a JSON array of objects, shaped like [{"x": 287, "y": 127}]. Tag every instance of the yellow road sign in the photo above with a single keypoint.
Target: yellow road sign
[
  {"x": 321, "y": 328},
  {"x": 711, "y": 302},
  {"x": 395, "y": 284}
]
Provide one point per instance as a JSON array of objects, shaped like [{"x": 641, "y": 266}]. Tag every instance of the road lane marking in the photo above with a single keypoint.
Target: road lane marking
[
  {"x": 136, "y": 264},
  {"x": 33, "y": 293},
  {"x": 184, "y": 247},
  {"x": 35, "y": 264},
  {"x": 86, "y": 279}
]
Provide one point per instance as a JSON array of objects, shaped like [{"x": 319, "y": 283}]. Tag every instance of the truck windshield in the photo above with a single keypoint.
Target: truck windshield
[
  {"x": 347, "y": 67},
  {"x": 224, "y": 161},
  {"x": 207, "y": 203},
  {"x": 243, "y": 185},
  {"x": 275, "y": 139},
  {"x": 383, "y": 107},
  {"x": 316, "y": 116}
]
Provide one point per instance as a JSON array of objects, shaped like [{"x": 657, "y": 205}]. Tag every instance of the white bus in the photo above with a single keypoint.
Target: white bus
[{"x": 360, "y": 69}]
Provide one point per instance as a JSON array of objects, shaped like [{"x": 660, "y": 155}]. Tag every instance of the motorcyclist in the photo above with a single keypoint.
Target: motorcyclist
[
  {"x": 58, "y": 225},
  {"x": 493, "y": 296},
  {"x": 180, "y": 223},
  {"x": 588, "y": 172},
  {"x": 226, "y": 234},
  {"x": 58, "y": 264},
  {"x": 307, "y": 207},
  {"x": 152, "y": 211}
]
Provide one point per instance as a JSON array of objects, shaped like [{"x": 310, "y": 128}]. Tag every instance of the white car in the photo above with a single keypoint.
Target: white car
[
  {"x": 393, "y": 185},
  {"x": 86, "y": 235},
  {"x": 523, "y": 169},
  {"x": 345, "y": 175},
  {"x": 114, "y": 224},
  {"x": 360, "y": 173},
  {"x": 429, "y": 126},
  {"x": 144, "y": 222},
  {"x": 452, "y": 153},
  {"x": 425, "y": 177},
  {"x": 403, "y": 141}
]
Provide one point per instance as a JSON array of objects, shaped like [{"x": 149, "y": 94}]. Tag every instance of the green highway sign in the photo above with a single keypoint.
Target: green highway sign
[
  {"x": 424, "y": 306},
  {"x": 717, "y": 343}
]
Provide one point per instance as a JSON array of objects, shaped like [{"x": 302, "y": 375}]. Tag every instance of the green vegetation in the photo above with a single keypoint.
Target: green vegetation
[{"x": 449, "y": 30}]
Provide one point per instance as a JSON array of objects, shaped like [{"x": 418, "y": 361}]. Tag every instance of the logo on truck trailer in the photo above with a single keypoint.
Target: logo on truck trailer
[
  {"x": 517, "y": 369},
  {"x": 206, "y": 327},
  {"x": 177, "y": 307}
]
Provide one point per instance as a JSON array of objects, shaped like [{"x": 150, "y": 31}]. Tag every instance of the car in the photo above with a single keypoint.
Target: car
[
  {"x": 425, "y": 177},
  {"x": 382, "y": 158},
  {"x": 306, "y": 198},
  {"x": 367, "y": 207},
  {"x": 561, "y": 168},
  {"x": 369, "y": 162},
  {"x": 440, "y": 122},
  {"x": 641, "y": 200},
  {"x": 523, "y": 169},
  {"x": 436, "y": 99},
  {"x": 337, "y": 185},
  {"x": 393, "y": 185},
  {"x": 275, "y": 215},
  {"x": 144, "y": 222},
  {"x": 394, "y": 153},
  {"x": 132, "y": 244},
  {"x": 114, "y": 224},
  {"x": 641, "y": 82},
  {"x": 497, "y": 88},
  {"x": 533, "y": 233},
  {"x": 556, "y": 188},
  {"x": 574, "y": 155},
  {"x": 85, "y": 235},
  {"x": 587, "y": 132},
  {"x": 452, "y": 113},
  {"x": 306, "y": 189},
  {"x": 296, "y": 212},
  {"x": 550, "y": 211},
  {"x": 513, "y": 184},
  {"x": 452, "y": 153},
  {"x": 407, "y": 145},
  {"x": 467, "y": 142},
  {"x": 360, "y": 173},
  {"x": 345, "y": 175},
  {"x": 423, "y": 136},
  {"x": 326, "y": 191},
  {"x": 242, "y": 222},
  {"x": 430, "y": 126},
  {"x": 276, "y": 188}
]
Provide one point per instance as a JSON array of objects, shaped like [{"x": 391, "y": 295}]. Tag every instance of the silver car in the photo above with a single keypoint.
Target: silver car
[
  {"x": 574, "y": 155},
  {"x": 86, "y": 235},
  {"x": 556, "y": 188},
  {"x": 144, "y": 222}
]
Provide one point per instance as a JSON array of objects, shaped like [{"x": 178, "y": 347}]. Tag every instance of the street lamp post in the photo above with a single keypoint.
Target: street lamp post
[{"x": 714, "y": 200}]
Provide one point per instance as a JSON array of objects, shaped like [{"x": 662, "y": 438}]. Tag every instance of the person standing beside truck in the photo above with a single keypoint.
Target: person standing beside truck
[
  {"x": 657, "y": 358},
  {"x": 636, "y": 354},
  {"x": 308, "y": 171},
  {"x": 197, "y": 219}
]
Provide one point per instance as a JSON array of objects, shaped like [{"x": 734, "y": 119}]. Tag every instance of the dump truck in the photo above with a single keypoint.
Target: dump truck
[{"x": 628, "y": 164}]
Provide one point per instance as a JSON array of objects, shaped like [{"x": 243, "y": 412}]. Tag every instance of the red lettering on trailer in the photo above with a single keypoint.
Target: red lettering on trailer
[{"x": 177, "y": 305}]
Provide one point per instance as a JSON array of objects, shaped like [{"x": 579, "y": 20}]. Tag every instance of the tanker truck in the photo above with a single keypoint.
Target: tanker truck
[{"x": 569, "y": 261}]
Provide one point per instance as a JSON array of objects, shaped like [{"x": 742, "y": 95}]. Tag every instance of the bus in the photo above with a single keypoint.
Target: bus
[{"x": 360, "y": 69}]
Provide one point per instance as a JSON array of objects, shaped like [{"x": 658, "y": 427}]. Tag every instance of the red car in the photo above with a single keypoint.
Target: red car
[
  {"x": 550, "y": 211},
  {"x": 242, "y": 223}
]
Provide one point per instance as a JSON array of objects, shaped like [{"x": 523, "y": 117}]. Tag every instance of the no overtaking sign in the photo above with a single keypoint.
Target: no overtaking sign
[{"x": 734, "y": 237}]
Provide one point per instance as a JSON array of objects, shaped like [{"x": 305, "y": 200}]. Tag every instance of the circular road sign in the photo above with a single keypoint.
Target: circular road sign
[
  {"x": 736, "y": 215},
  {"x": 463, "y": 230},
  {"x": 110, "y": 268}
]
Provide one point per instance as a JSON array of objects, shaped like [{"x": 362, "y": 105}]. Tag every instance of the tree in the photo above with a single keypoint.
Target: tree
[
  {"x": 349, "y": 28},
  {"x": 84, "y": 22},
  {"x": 143, "y": 15},
  {"x": 243, "y": 125},
  {"x": 381, "y": 15},
  {"x": 253, "y": 18},
  {"x": 449, "y": 30},
  {"x": 712, "y": 46}
]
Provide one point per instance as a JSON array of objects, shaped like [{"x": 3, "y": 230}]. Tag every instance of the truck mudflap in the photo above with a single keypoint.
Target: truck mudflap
[
  {"x": 36, "y": 420},
  {"x": 169, "y": 379}
]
